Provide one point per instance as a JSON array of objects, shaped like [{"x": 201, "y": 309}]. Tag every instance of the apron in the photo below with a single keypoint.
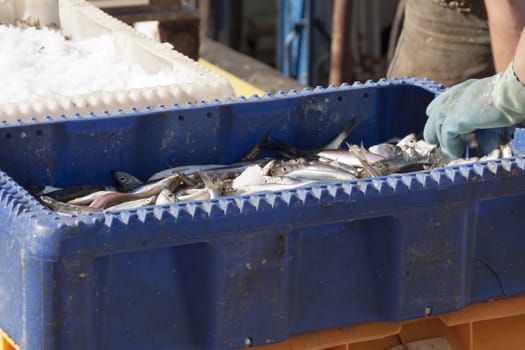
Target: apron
[{"x": 445, "y": 41}]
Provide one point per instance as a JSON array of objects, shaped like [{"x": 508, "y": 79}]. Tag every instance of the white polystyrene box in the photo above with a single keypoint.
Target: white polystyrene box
[{"x": 80, "y": 20}]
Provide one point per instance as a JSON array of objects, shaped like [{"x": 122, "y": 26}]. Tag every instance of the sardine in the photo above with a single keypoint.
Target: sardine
[
  {"x": 292, "y": 152},
  {"x": 170, "y": 182},
  {"x": 495, "y": 154},
  {"x": 271, "y": 187},
  {"x": 144, "y": 191},
  {"x": 137, "y": 203},
  {"x": 385, "y": 150},
  {"x": 68, "y": 194},
  {"x": 87, "y": 199},
  {"x": 506, "y": 151},
  {"x": 188, "y": 170},
  {"x": 125, "y": 182},
  {"x": 311, "y": 171},
  {"x": 258, "y": 147},
  {"x": 65, "y": 208},
  {"x": 41, "y": 190},
  {"x": 192, "y": 194},
  {"x": 361, "y": 156},
  {"x": 165, "y": 197},
  {"x": 349, "y": 158}
]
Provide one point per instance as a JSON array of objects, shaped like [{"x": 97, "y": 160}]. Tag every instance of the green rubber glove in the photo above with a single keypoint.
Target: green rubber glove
[{"x": 493, "y": 102}]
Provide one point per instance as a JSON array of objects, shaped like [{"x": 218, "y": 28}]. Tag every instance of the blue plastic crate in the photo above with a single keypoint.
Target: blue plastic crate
[{"x": 211, "y": 274}]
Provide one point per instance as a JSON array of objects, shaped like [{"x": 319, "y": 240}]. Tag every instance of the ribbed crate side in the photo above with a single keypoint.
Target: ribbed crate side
[
  {"x": 498, "y": 265},
  {"x": 343, "y": 272},
  {"x": 153, "y": 298}
]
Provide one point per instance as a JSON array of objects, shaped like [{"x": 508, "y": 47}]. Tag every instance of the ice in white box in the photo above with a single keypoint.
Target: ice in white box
[{"x": 105, "y": 65}]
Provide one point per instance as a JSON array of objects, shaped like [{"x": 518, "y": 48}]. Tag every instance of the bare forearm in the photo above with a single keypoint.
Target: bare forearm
[
  {"x": 519, "y": 58},
  {"x": 506, "y": 21}
]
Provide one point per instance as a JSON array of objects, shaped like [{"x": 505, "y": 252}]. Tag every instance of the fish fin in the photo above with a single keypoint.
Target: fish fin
[
  {"x": 258, "y": 147},
  {"x": 343, "y": 134},
  {"x": 358, "y": 152}
]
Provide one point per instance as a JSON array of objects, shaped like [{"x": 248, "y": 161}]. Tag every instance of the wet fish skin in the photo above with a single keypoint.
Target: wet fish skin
[
  {"x": 258, "y": 147},
  {"x": 506, "y": 151},
  {"x": 37, "y": 191},
  {"x": 349, "y": 158},
  {"x": 65, "y": 208},
  {"x": 192, "y": 194},
  {"x": 311, "y": 171},
  {"x": 270, "y": 187},
  {"x": 166, "y": 197},
  {"x": 170, "y": 182},
  {"x": 359, "y": 154},
  {"x": 125, "y": 182},
  {"x": 88, "y": 199},
  {"x": 292, "y": 152},
  {"x": 137, "y": 203},
  {"x": 385, "y": 150},
  {"x": 70, "y": 193},
  {"x": 145, "y": 191},
  {"x": 187, "y": 170}
]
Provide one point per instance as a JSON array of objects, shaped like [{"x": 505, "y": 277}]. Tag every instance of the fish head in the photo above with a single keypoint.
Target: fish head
[{"x": 125, "y": 182}]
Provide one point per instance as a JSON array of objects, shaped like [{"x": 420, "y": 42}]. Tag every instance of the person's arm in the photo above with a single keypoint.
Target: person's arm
[
  {"x": 519, "y": 58},
  {"x": 493, "y": 102},
  {"x": 506, "y": 21}
]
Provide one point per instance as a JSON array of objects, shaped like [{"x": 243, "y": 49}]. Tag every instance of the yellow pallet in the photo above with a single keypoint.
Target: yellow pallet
[{"x": 497, "y": 324}]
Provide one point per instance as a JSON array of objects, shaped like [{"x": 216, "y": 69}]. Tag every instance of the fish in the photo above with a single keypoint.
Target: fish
[
  {"x": 259, "y": 146},
  {"x": 385, "y": 150},
  {"x": 125, "y": 182},
  {"x": 361, "y": 156},
  {"x": 312, "y": 171},
  {"x": 67, "y": 194},
  {"x": 111, "y": 199},
  {"x": 349, "y": 158},
  {"x": 293, "y": 169},
  {"x": 187, "y": 170},
  {"x": 192, "y": 194},
  {"x": 291, "y": 152},
  {"x": 137, "y": 203},
  {"x": 65, "y": 208},
  {"x": 165, "y": 197},
  {"x": 271, "y": 187},
  {"x": 87, "y": 199},
  {"x": 170, "y": 182},
  {"x": 41, "y": 190},
  {"x": 506, "y": 151}
]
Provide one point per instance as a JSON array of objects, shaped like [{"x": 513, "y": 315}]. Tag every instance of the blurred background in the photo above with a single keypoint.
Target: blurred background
[{"x": 275, "y": 44}]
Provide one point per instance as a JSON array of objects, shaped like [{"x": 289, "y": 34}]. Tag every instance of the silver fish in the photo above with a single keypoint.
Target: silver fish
[
  {"x": 88, "y": 199},
  {"x": 385, "y": 150},
  {"x": 359, "y": 153},
  {"x": 144, "y": 191},
  {"x": 137, "y": 203},
  {"x": 125, "y": 182},
  {"x": 194, "y": 169},
  {"x": 42, "y": 190},
  {"x": 70, "y": 193},
  {"x": 65, "y": 208},
  {"x": 495, "y": 154},
  {"x": 311, "y": 171},
  {"x": 165, "y": 197},
  {"x": 192, "y": 194},
  {"x": 170, "y": 182},
  {"x": 271, "y": 187},
  {"x": 506, "y": 151},
  {"x": 349, "y": 158}
]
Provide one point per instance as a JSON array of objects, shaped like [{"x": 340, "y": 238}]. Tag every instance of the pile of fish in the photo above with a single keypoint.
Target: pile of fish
[{"x": 292, "y": 168}]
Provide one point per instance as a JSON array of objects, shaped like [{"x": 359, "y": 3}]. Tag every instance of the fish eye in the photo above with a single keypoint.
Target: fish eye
[{"x": 122, "y": 178}]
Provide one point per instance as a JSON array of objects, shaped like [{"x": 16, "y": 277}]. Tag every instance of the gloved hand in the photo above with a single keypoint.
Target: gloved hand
[{"x": 493, "y": 102}]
